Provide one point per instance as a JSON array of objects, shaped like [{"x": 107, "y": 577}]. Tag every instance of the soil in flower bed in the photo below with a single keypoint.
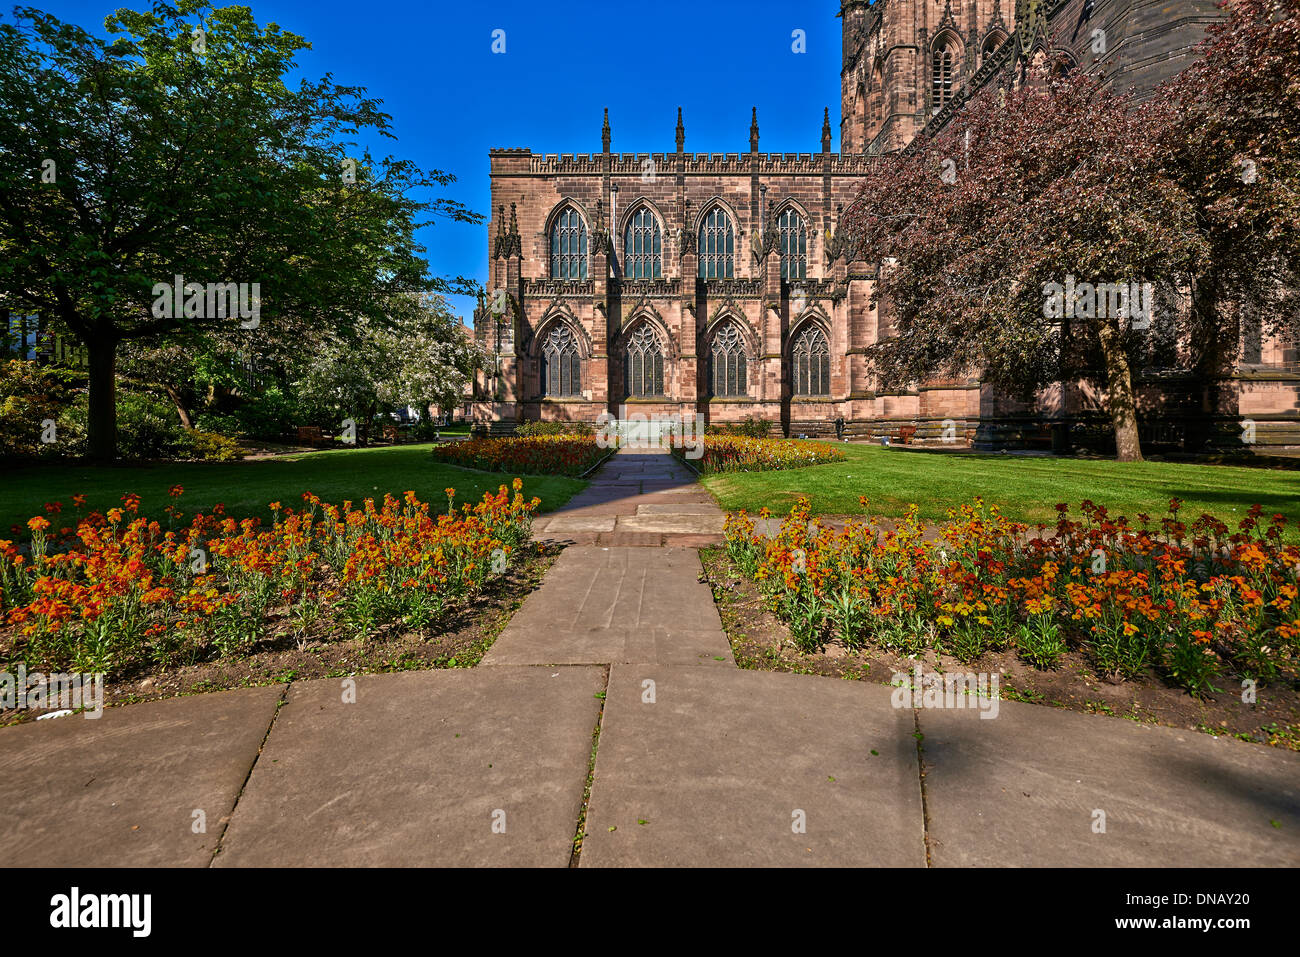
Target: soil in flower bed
[
  {"x": 458, "y": 640},
  {"x": 761, "y": 641}
]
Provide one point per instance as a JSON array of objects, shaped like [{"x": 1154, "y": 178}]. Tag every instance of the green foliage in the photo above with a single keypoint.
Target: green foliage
[
  {"x": 148, "y": 430},
  {"x": 147, "y": 427},
  {"x": 417, "y": 356},
  {"x": 30, "y": 395},
  {"x": 227, "y": 145},
  {"x": 754, "y": 427},
  {"x": 210, "y": 446},
  {"x": 270, "y": 415},
  {"x": 526, "y": 429},
  {"x": 1040, "y": 641}
]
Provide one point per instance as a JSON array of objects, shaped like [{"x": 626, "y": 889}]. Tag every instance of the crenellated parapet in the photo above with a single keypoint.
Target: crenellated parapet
[{"x": 669, "y": 164}]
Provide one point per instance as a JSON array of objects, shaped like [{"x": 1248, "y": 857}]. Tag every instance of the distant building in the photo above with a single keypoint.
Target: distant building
[{"x": 28, "y": 336}]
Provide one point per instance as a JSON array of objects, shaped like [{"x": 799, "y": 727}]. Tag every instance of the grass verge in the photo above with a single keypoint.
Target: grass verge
[{"x": 1027, "y": 488}]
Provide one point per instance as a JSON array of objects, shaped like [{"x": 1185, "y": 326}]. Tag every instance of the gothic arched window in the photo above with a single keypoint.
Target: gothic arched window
[
  {"x": 644, "y": 363},
  {"x": 727, "y": 372},
  {"x": 561, "y": 363},
  {"x": 717, "y": 246},
  {"x": 642, "y": 247},
  {"x": 794, "y": 245},
  {"x": 944, "y": 66},
  {"x": 810, "y": 363},
  {"x": 990, "y": 47},
  {"x": 569, "y": 246}
]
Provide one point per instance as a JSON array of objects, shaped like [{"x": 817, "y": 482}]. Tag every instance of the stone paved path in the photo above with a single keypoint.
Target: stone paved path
[
  {"x": 620, "y": 655},
  {"x": 637, "y": 498}
]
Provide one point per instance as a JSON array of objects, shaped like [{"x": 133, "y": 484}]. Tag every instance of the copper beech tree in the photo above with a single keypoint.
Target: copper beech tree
[
  {"x": 1233, "y": 143},
  {"x": 983, "y": 229}
]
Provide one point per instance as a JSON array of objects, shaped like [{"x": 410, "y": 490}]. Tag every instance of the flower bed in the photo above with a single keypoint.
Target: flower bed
[
  {"x": 121, "y": 591},
  {"x": 1196, "y": 603},
  {"x": 732, "y": 453},
  {"x": 530, "y": 455}
]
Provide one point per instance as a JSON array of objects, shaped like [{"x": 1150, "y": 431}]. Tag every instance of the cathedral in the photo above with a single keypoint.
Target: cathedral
[{"x": 718, "y": 283}]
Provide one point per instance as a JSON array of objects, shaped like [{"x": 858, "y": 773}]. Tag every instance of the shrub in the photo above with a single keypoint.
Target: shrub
[
  {"x": 755, "y": 427},
  {"x": 268, "y": 415},
  {"x": 222, "y": 423},
  {"x": 147, "y": 427},
  {"x": 30, "y": 395},
  {"x": 527, "y": 429},
  {"x": 211, "y": 447}
]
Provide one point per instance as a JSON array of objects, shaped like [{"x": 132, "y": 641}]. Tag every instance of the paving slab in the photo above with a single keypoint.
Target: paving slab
[
  {"x": 724, "y": 763},
  {"x": 121, "y": 790},
  {"x": 1023, "y": 789},
  {"x": 684, "y": 496},
  {"x": 675, "y": 522},
  {"x": 662, "y": 486},
  {"x": 692, "y": 541},
  {"x": 617, "y": 539},
  {"x": 679, "y": 508},
  {"x": 614, "y": 506},
  {"x": 564, "y": 524},
  {"x": 418, "y": 770},
  {"x": 600, "y": 605}
]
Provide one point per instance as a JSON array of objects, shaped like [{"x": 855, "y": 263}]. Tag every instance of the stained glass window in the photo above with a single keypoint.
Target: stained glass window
[
  {"x": 642, "y": 247},
  {"x": 569, "y": 246},
  {"x": 717, "y": 246},
  {"x": 794, "y": 245},
  {"x": 811, "y": 363},
  {"x": 561, "y": 363},
  {"x": 728, "y": 373},
  {"x": 645, "y": 363}
]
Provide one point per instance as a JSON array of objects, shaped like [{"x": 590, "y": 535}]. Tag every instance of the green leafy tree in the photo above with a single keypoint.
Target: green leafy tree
[{"x": 178, "y": 148}]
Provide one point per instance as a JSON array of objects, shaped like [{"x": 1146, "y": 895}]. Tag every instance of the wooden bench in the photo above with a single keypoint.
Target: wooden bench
[
  {"x": 1040, "y": 438},
  {"x": 905, "y": 434},
  {"x": 390, "y": 433},
  {"x": 310, "y": 435}
]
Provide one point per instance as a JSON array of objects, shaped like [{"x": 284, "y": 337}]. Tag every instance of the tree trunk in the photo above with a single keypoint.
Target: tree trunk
[
  {"x": 1120, "y": 400},
  {"x": 181, "y": 411},
  {"x": 101, "y": 355}
]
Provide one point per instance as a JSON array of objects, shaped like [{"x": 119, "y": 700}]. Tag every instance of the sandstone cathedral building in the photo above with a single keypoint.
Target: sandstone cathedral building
[{"x": 719, "y": 283}]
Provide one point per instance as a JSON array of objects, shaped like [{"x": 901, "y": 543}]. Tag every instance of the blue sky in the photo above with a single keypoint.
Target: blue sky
[{"x": 452, "y": 98}]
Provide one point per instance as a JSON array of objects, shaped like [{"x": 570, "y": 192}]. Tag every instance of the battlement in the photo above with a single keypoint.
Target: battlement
[{"x": 524, "y": 161}]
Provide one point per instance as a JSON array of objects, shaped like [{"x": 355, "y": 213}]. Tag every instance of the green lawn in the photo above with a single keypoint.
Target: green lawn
[
  {"x": 1027, "y": 488},
  {"x": 245, "y": 488}
]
